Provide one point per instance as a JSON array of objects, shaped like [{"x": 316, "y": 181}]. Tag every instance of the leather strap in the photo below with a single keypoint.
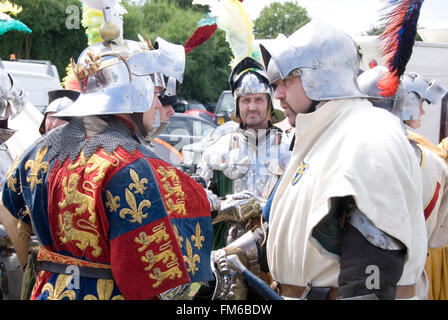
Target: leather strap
[
  {"x": 405, "y": 292},
  {"x": 315, "y": 293},
  {"x": 88, "y": 272},
  {"x": 326, "y": 293}
]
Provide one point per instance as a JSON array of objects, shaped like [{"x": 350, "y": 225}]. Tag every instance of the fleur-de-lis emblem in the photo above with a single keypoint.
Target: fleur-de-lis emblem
[
  {"x": 9, "y": 175},
  {"x": 135, "y": 212},
  {"x": 58, "y": 292},
  {"x": 36, "y": 166},
  {"x": 104, "y": 288},
  {"x": 138, "y": 185},
  {"x": 191, "y": 259},
  {"x": 197, "y": 237},
  {"x": 112, "y": 202},
  {"x": 179, "y": 238}
]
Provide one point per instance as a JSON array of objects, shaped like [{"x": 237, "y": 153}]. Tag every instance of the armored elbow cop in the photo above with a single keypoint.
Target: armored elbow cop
[{"x": 367, "y": 249}]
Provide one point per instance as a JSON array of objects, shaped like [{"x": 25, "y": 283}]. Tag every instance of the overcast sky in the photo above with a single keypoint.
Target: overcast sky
[{"x": 356, "y": 16}]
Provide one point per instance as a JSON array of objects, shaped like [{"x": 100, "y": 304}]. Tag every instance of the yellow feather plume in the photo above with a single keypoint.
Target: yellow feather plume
[
  {"x": 91, "y": 21},
  {"x": 6, "y": 6},
  {"x": 233, "y": 19}
]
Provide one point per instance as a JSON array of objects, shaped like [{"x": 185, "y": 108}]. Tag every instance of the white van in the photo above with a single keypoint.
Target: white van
[{"x": 36, "y": 77}]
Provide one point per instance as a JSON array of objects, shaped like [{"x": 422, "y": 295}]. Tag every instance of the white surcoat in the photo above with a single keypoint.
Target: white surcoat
[
  {"x": 435, "y": 197},
  {"x": 344, "y": 148}
]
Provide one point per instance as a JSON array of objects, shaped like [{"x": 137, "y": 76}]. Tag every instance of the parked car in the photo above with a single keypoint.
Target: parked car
[
  {"x": 185, "y": 129},
  {"x": 224, "y": 107},
  {"x": 193, "y": 108},
  {"x": 210, "y": 106}
]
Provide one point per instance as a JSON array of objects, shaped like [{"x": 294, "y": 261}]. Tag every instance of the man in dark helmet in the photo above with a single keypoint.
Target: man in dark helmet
[
  {"x": 247, "y": 162},
  {"x": 58, "y": 100}
]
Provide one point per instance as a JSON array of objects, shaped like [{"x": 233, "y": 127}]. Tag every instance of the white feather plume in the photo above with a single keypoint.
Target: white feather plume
[{"x": 233, "y": 19}]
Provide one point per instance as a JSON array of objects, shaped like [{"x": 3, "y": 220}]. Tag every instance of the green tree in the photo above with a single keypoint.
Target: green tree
[
  {"x": 50, "y": 39},
  {"x": 207, "y": 67},
  {"x": 280, "y": 18}
]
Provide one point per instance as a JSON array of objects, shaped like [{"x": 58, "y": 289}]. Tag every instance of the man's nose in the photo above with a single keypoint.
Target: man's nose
[{"x": 279, "y": 93}]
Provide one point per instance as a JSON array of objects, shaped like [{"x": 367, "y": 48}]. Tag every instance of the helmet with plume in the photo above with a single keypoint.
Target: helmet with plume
[
  {"x": 248, "y": 75},
  {"x": 116, "y": 75},
  {"x": 389, "y": 86}
]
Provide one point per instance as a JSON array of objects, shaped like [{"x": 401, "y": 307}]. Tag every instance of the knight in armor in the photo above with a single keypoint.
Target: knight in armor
[
  {"x": 114, "y": 221},
  {"x": 345, "y": 220},
  {"x": 253, "y": 156},
  {"x": 12, "y": 102},
  {"x": 407, "y": 105}
]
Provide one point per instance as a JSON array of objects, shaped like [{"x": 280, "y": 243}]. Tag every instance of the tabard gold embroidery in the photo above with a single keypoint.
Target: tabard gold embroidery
[
  {"x": 83, "y": 238},
  {"x": 179, "y": 238},
  {"x": 135, "y": 212},
  {"x": 104, "y": 288},
  {"x": 164, "y": 254},
  {"x": 58, "y": 292},
  {"x": 74, "y": 196},
  {"x": 198, "y": 238},
  {"x": 172, "y": 272},
  {"x": 138, "y": 185},
  {"x": 112, "y": 202},
  {"x": 174, "y": 196},
  {"x": 9, "y": 175},
  {"x": 178, "y": 207},
  {"x": 168, "y": 174},
  {"x": 191, "y": 259},
  {"x": 159, "y": 234},
  {"x": 97, "y": 164},
  {"x": 36, "y": 166}
]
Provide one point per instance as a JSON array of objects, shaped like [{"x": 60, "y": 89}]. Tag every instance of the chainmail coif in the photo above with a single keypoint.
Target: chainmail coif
[{"x": 69, "y": 140}]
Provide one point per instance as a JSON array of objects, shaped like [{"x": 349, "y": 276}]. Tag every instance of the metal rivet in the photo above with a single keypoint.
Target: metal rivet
[
  {"x": 321, "y": 65},
  {"x": 334, "y": 63},
  {"x": 312, "y": 84}
]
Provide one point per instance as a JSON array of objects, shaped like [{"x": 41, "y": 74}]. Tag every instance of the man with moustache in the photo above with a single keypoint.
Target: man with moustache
[
  {"x": 346, "y": 218},
  {"x": 245, "y": 164},
  {"x": 253, "y": 156}
]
